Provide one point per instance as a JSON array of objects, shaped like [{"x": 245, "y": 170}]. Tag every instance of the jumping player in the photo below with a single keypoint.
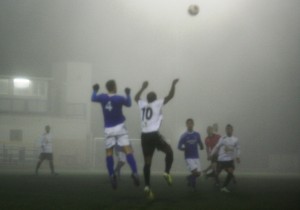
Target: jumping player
[
  {"x": 151, "y": 117},
  {"x": 115, "y": 130},
  {"x": 188, "y": 143},
  {"x": 46, "y": 151},
  {"x": 228, "y": 149}
]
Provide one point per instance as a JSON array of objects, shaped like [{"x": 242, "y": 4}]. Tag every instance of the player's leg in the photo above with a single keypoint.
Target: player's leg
[
  {"x": 194, "y": 167},
  {"x": 110, "y": 142},
  {"x": 148, "y": 149},
  {"x": 110, "y": 167},
  {"x": 123, "y": 142},
  {"x": 229, "y": 169},
  {"x": 39, "y": 163},
  {"x": 219, "y": 169},
  {"x": 163, "y": 146},
  {"x": 51, "y": 165},
  {"x": 213, "y": 167},
  {"x": 121, "y": 160}
]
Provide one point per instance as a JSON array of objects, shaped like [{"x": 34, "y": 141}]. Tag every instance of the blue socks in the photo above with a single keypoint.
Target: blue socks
[
  {"x": 110, "y": 165},
  {"x": 132, "y": 163}
]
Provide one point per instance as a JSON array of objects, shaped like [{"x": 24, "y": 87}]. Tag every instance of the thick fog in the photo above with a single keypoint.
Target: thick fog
[{"x": 237, "y": 61}]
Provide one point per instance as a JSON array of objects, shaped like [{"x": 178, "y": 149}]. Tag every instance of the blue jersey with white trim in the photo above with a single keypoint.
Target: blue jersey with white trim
[
  {"x": 112, "y": 107},
  {"x": 188, "y": 143}
]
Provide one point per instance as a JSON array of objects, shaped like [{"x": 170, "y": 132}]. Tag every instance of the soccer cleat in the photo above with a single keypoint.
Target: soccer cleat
[
  {"x": 224, "y": 189},
  {"x": 168, "y": 179},
  {"x": 113, "y": 181},
  {"x": 149, "y": 193},
  {"x": 136, "y": 179}
]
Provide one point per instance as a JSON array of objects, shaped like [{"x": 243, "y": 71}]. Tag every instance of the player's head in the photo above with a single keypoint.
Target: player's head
[
  {"x": 210, "y": 130},
  {"x": 111, "y": 86},
  {"x": 151, "y": 97},
  {"x": 189, "y": 124},
  {"x": 229, "y": 130},
  {"x": 47, "y": 128},
  {"x": 215, "y": 127}
]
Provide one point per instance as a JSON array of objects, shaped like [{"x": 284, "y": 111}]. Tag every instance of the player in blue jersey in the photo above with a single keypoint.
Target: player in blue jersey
[
  {"x": 188, "y": 143},
  {"x": 114, "y": 127}
]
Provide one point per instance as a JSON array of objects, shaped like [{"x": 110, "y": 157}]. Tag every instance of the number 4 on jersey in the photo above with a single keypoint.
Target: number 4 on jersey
[{"x": 108, "y": 106}]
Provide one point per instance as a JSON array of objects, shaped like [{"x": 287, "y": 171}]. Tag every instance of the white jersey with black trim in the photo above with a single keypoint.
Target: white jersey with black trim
[
  {"x": 228, "y": 148},
  {"x": 151, "y": 115},
  {"x": 46, "y": 143}
]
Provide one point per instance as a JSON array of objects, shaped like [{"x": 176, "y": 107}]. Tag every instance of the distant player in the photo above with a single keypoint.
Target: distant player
[
  {"x": 228, "y": 149},
  {"x": 215, "y": 127},
  {"x": 115, "y": 130},
  {"x": 151, "y": 117},
  {"x": 210, "y": 142},
  {"x": 189, "y": 142},
  {"x": 46, "y": 151}
]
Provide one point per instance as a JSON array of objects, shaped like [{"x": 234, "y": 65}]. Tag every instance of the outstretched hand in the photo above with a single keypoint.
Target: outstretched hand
[
  {"x": 127, "y": 91},
  {"x": 175, "y": 81},
  {"x": 96, "y": 87},
  {"x": 145, "y": 84}
]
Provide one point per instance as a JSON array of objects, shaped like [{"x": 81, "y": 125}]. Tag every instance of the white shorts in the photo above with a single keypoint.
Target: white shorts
[
  {"x": 120, "y": 153},
  {"x": 193, "y": 163},
  {"x": 116, "y": 135}
]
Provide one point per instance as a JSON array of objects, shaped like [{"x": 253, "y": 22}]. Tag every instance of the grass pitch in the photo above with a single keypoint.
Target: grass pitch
[{"x": 93, "y": 191}]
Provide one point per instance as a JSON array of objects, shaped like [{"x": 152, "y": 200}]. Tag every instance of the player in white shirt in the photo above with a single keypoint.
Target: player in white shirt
[
  {"x": 46, "y": 152},
  {"x": 228, "y": 149},
  {"x": 151, "y": 117}
]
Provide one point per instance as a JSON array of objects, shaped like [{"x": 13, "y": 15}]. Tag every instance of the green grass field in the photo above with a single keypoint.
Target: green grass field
[{"x": 93, "y": 191}]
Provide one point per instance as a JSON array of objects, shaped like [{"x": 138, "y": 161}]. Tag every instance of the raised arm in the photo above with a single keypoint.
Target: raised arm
[
  {"x": 127, "y": 98},
  {"x": 96, "y": 88},
  {"x": 172, "y": 91},
  {"x": 139, "y": 93}
]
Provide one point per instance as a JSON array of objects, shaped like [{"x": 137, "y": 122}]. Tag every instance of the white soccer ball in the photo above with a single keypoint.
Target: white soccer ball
[{"x": 193, "y": 9}]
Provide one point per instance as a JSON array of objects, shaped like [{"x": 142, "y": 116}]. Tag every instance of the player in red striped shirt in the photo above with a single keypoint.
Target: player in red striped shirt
[{"x": 210, "y": 142}]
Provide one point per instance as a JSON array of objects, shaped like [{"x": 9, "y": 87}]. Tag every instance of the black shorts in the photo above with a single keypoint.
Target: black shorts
[
  {"x": 152, "y": 141},
  {"x": 46, "y": 156},
  {"x": 214, "y": 158},
  {"x": 225, "y": 164}
]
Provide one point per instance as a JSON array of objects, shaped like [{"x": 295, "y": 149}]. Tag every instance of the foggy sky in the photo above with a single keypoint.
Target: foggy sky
[{"x": 238, "y": 60}]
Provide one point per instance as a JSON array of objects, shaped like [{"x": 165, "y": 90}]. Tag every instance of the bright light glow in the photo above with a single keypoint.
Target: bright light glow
[{"x": 22, "y": 83}]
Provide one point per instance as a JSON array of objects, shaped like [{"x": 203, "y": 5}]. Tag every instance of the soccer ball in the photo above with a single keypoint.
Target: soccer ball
[{"x": 193, "y": 9}]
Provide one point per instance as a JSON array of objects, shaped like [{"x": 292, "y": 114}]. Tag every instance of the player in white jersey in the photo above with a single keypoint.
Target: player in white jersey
[
  {"x": 46, "y": 152},
  {"x": 228, "y": 149},
  {"x": 151, "y": 117}
]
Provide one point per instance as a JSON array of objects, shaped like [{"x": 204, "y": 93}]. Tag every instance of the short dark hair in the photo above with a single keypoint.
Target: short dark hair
[
  {"x": 229, "y": 126},
  {"x": 111, "y": 85},
  {"x": 189, "y": 120},
  {"x": 151, "y": 97}
]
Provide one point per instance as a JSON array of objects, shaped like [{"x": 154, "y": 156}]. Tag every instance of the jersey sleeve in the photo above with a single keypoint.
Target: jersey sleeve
[
  {"x": 95, "y": 97},
  {"x": 181, "y": 145},
  {"x": 127, "y": 101}
]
